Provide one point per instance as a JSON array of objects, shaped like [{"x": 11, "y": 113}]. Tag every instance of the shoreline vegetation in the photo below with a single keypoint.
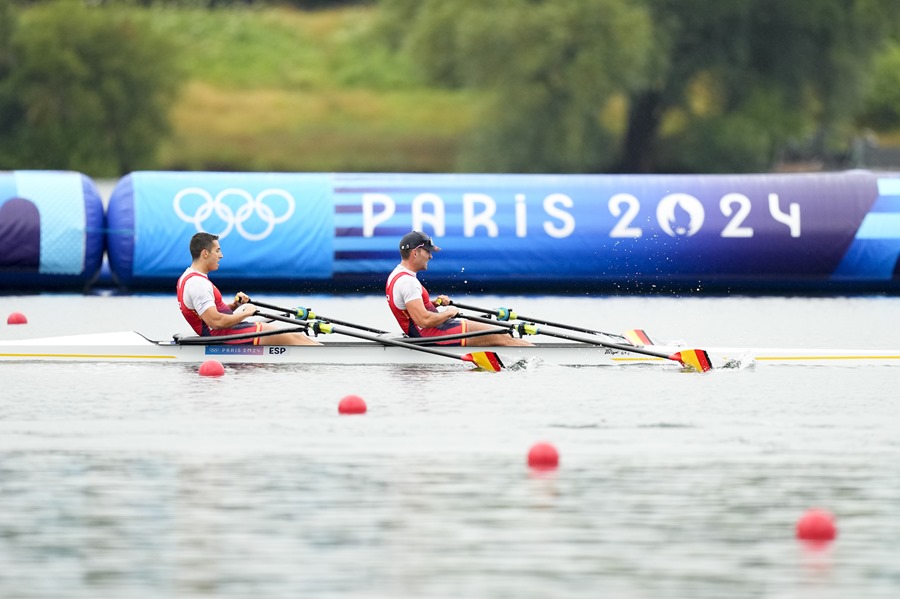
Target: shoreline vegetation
[
  {"x": 284, "y": 89},
  {"x": 266, "y": 87},
  {"x": 281, "y": 89}
]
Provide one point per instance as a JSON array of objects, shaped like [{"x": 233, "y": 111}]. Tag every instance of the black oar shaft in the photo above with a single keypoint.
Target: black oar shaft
[
  {"x": 454, "y": 337},
  {"x": 549, "y": 323},
  {"x": 293, "y": 311},
  {"x": 395, "y": 343},
  {"x": 273, "y": 307},
  {"x": 560, "y": 325},
  {"x": 625, "y": 348},
  {"x": 352, "y": 333},
  {"x": 350, "y": 324}
]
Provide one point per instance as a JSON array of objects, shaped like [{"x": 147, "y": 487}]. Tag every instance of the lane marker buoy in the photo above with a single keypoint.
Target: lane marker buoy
[
  {"x": 212, "y": 368},
  {"x": 816, "y": 525},
  {"x": 352, "y": 404},
  {"x": 16, "y": 318},
  {"x": 543, "y": 456}
]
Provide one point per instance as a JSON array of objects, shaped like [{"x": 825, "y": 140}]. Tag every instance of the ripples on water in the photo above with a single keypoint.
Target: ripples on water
[{"x": 144, "y": 480}]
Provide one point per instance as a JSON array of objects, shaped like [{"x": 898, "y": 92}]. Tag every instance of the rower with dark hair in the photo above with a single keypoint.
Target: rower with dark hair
[
  {"x": 204, "y": 309},
  {"x": 416, "y": 313}
]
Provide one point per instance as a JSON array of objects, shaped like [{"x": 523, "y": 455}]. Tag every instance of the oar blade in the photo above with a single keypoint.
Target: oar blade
[
  {"x": 697, "y": 359},
  {"x": 637, "y": 337},
  {"x": 486, "y": 360}
]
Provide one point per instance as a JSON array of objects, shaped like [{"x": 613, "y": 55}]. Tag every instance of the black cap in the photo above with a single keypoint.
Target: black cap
[{"x": 417, "y": 239}]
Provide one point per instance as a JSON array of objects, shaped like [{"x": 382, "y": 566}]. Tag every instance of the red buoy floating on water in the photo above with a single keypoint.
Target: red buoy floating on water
[
  {"x": 352, "y": 404},
  {"x": 543, "y": 456},
  {"x": 816, "y": 525},
  {"x": 16, "y": 318},
  {"x": 212, "y": 368}
]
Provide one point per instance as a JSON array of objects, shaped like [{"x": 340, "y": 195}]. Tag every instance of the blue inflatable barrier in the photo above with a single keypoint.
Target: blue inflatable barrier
[
  {"x": 275, "y": 229},
  {"x": 51, "y": 231},
  {"x": 546, "y": 233}
]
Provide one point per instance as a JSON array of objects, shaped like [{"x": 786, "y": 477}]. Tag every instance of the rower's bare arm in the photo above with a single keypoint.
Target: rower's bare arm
[
  {"x": 426, "y": 319},
  {"x": 217, "y": 320}
]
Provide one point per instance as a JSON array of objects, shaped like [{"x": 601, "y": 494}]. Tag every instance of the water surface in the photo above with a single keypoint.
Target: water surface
[{"x": 147, "y": 480}]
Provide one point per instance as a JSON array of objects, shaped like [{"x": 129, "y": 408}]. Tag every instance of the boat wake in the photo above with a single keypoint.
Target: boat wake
[
  {"x": 524, "y": 364},
  {"x": 745, "y": 362}
]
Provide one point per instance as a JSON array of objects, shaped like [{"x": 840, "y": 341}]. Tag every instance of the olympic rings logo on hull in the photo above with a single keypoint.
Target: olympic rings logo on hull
[{"x": 218, "y": 208}]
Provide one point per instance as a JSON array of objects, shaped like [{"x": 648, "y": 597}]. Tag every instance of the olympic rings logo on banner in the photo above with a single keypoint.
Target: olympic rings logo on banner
[{"x": 235, "y": 219}]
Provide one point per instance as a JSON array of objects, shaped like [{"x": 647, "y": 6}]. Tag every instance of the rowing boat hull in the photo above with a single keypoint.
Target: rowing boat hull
[{"x": 133, "y": 347}]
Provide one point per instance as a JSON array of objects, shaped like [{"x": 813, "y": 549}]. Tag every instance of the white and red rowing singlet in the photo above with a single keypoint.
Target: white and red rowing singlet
[
  {"x": 403, "y": 319},
  {"x": 190, "y": 314}
]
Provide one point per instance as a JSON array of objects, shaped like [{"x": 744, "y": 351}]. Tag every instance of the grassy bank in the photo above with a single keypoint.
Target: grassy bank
[{"x": 280, "y": 89}]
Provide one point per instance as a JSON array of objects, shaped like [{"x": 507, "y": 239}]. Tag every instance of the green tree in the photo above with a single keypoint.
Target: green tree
[
  {"x": 882, "y": 106},
  {"x": 9, "y": 109},
  {"x": 709, "y": 86},
  {"x": 90, "y": 88},
  {"x": 771, "y": 70},
  {"x": 547, "y": 69}
]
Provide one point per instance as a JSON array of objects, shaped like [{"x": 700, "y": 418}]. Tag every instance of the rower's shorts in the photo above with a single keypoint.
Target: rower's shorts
[
  {"x": 451, "y": 327},
  {"x": 241, "y": 327}
]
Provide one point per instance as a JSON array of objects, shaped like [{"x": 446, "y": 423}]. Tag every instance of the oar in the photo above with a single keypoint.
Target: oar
[
  {"x": 697, "y": 359},
  {"x": 454, "y": 337},
  {"x": 486, "y": 360},
  {"x": 507, "y": 314},
  {"x": 308, "y": 314}
]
